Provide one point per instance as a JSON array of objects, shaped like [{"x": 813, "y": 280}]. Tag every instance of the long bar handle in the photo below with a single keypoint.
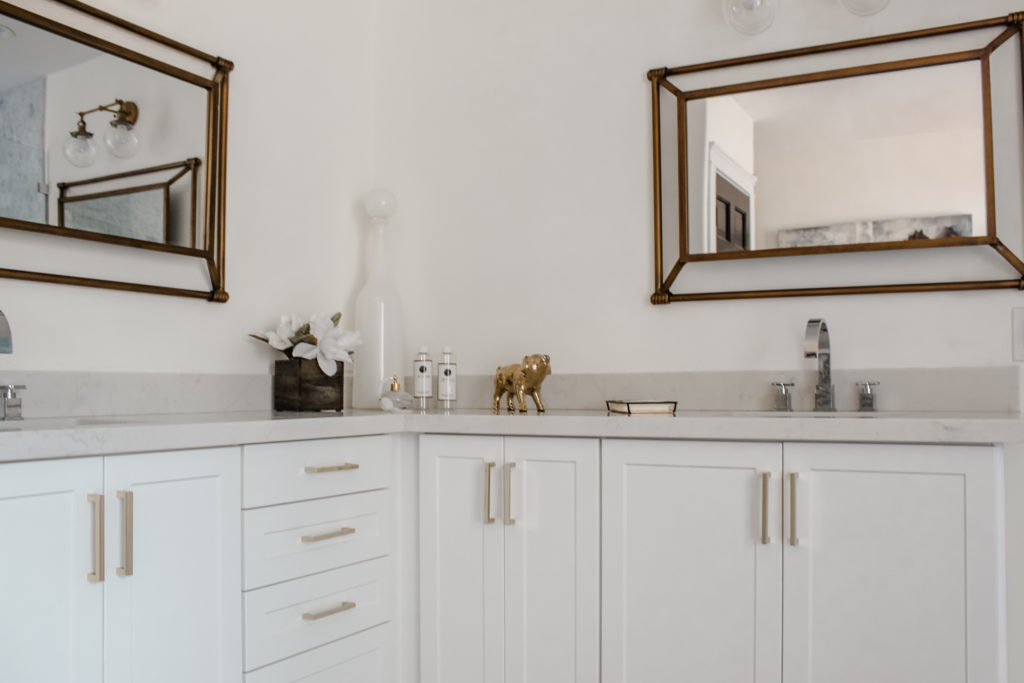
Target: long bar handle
[
  {"x": 793, "y": 540},
  {"x": 487, "y": 493},
  {"x": 508, "y": 493},
  {"x": 127, "y": 567},
  {"x": 765, "y": 478},
  {"x": 309, "y": 469},
  {"x": 343, "y": 531},
  {"x": 343, "y": 607},
  {"x": 98, "y": 538}
]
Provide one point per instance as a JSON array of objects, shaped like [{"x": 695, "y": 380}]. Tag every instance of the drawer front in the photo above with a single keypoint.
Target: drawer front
[
  {"x": 288, "y": 618},
  {"x": 274, "y": 473},
  {"x": 363, "y": 658},
  {"x": 288, "y": 541}
]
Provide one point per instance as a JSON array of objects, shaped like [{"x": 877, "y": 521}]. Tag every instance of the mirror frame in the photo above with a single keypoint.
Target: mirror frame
[
  {"x": 212, "y": 252},
  {"x": 1013, "y": 22}
]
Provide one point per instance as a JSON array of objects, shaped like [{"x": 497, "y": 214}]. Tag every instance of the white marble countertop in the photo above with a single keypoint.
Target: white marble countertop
[{"x": 82, "y": 436}]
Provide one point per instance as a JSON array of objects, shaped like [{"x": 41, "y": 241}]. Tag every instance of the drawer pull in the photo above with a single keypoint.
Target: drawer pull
[
  {"x": 508, "y": 493},
  {"x": 487, "y": 492},
  {"x": 343, "y": 607},
  {"x": 793, "y": 540},
  {"x": 98, "y": 539},
  {"x": 343, "y": 531},
  {"x": 765, "y": 478},
  {"x": 127, "y": 567},
  {"x": 332, "y": 468}
]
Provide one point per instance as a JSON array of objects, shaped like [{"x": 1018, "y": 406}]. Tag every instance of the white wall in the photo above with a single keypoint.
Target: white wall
[
  {"x": 299, "y": 153},
  {"x": 517, "y": 138}
]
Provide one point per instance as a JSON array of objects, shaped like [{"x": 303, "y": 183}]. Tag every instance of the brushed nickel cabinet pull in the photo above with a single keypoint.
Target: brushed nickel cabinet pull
[
  {"x": 343, "y": 607},
  {"x": 508, "y": 493},
  {"x": 98, "y": 538},
  {"x": 765, "y": 477},
  {"x": 127, "y": 567},
  {"x": 332, "y": 468},
  {"x": 343, "y": 531},
  {"x": 487, "y": 493},
  {"x": 793, "y": 540}
]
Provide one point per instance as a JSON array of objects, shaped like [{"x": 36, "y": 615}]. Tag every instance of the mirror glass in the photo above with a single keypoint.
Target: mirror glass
[
  {"x": 45, "y": 81},
  {"x": 883, "y": 157}
]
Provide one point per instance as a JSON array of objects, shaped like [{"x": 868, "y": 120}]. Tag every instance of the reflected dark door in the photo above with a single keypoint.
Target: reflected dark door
[{"x": 732, "y": 210}]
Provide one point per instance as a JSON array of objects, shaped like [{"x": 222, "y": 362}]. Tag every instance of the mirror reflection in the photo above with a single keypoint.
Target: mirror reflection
[
  {"x": 81, "y": 128},
  {"x": 885, "y": 157}
]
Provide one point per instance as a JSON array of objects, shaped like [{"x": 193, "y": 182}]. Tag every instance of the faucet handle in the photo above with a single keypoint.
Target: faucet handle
[
  {"x": 867, "y": 396},
  {"x": 9, "y": 390},
  {"x": 10, "y": 403},
  {"x": 783, "y": 396}
]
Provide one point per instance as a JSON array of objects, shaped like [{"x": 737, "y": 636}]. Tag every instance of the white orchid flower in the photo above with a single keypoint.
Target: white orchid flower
[
  {"x": 280, "y": 338},
  {"x": 332, "y": 344}
]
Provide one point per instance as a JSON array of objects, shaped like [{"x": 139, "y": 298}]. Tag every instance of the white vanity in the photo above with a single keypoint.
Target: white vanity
[{"x": 472, "y": 547}]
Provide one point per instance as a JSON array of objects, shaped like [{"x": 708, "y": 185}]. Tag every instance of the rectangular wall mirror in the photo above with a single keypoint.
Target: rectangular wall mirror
[
  {"x": 882, "y": 144},
  {"x": 114, "y": 146}
]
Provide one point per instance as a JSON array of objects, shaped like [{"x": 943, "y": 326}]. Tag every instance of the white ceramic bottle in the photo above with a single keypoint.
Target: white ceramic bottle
[
  {"x": 423, "y": 377},
  {"x": 378, "y": 312}
]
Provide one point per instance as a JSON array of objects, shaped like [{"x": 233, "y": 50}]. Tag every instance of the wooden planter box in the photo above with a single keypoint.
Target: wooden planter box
[{"x": 299, "y": 384}]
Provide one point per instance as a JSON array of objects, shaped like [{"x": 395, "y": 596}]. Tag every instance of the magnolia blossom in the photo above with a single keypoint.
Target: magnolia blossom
[
  {"x": 280, "y": 338},
  {"x": 332, "y": 344}
]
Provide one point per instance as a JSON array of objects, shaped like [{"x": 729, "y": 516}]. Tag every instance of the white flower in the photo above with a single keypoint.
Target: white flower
[
  {"x": 332, "y": 344},
  {"x": 280, "y": 338}
]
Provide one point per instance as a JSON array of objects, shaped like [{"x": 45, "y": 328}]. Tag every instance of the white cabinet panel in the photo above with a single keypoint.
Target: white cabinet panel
[
  {"x": 690, "y": 590},
  {"x": 461, "y": 566},
  {"x": 363, "y": 658},
  {"x": 51, "y": 616},
  {"x": 291, "y": 617},
  {"x": 177, "y": 616},
  {"x": 895, "y": 575},
  {"x": 277, "y": 472},
  {"x": 288, "y": 541},
  {"x": 552, "y": 560}
]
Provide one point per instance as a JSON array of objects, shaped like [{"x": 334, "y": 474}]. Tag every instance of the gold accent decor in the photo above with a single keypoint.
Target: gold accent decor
[
  {"x": 98, "y": 539},
  {"x": 331, "y": 468},
  {"x": 522, "y": 380},
  {"x": 487, "y": 493},
  {"x": 508, "y": 493},
  {"x": 765, "y": 478},
  {"x": 127, "y": 567},
  {"x": 343, "y": 531},
  {"x": 343, "y": 607}
]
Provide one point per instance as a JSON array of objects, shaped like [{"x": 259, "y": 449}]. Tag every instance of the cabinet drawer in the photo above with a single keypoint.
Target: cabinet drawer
[
  {"x": 299, "y": 470},
  {"x": 296, "y": 616},
  {"x": 288, "y": 541},
  {"x": 364, "y": 657}
]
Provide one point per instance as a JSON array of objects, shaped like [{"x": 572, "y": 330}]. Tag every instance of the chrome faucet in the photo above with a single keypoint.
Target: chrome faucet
[
  {"x": 6, "y": 342},
  {"x": 816, "y": 345}
]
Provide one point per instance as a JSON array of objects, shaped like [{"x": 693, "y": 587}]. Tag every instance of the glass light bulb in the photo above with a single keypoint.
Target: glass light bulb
[
  {"x": 380, "y": 203},
  {"x": 750, "y": 16},
  {"x": 80, "y": 151},
  {"x": 121, "y": 141},
  {"x": 864, "y": 8}
]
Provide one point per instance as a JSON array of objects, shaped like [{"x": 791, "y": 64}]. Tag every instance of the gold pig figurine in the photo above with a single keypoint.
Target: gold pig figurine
[{"x": 520, "y": 380}]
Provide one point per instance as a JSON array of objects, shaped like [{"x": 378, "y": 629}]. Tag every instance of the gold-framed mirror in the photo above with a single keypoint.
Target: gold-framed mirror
[
  {"x": 113, "y": 143},
  {"x": 867, "y": 155}
]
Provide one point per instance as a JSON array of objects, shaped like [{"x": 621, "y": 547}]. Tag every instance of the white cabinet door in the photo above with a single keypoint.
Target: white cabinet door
[
  {"x": 173, "y": 592},
  {"x": 51, "y": 615},
  {"x": 552, "y": 560},
  {"x": 895, "y": 573},
  {"x": 461, "y": 578},
  {"x": 692, "y": 562}
]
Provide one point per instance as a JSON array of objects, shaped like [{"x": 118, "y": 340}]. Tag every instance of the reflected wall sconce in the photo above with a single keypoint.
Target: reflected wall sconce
[
  {"x": 754, "y": 16},
  {"x": 120, "y": 139}
]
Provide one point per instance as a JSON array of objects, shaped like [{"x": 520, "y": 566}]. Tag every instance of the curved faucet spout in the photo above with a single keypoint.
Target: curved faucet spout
[{"x": 816, "y": 345}]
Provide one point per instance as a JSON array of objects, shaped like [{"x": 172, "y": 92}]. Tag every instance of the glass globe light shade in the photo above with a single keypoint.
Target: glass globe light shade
[
  {"x": 121, "y": 140},
  {"x": 864, "y": 8},
  {"x": 750, "y": 16},
  {"x": 380, "y": 203},
  {"x": 80, "y": 151}
]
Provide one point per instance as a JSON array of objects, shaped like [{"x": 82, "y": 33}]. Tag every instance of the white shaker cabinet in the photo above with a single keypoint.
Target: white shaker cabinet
[
  {"x": 805, "y": 562},
  {"x": 121, "y": 569},
  {"x": 692, "y": 561},
  {"x": 893, "y": 566},
  {"x": 509, "y": 559}
]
